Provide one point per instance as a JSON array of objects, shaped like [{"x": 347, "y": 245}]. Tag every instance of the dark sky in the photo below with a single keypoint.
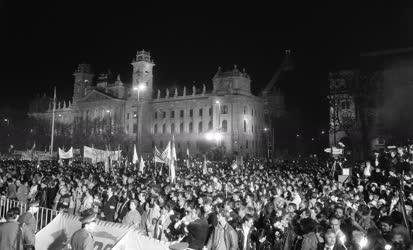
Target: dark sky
[{"x": 44, "y": 41}]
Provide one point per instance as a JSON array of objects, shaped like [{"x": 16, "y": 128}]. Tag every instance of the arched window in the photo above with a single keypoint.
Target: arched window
[
  {"x": 200, "y": 127},
  {"x": 164, "y": 128},
  {"x": 155, "y": 129},
  {"x": 172, "y": 128},
  {"x": 181, "y": 128},
  {"x": 190, "y": 127},
  {"x": 224, "y": 109},
  {"x": 245, "y": 126},
  {"x": 224, "y": 126},
  {"x": 210, "y": 125}
]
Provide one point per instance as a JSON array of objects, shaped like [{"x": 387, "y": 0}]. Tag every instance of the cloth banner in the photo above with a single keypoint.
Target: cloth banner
[
  {"x": 158, "y": 156},
  {"x": 97, "y": 155},
  {"x": 135, "y": 240},
  {"x": 59, "y": 232},
  {"x": 65, "y": 155}
]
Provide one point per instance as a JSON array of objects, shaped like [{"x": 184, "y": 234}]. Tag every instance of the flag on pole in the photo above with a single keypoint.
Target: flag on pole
[
  {"x": 204, "y": 168},
  {"x": 166, "y": 154},
  {"x": 187, "y": 152},
  {"x": 172, "y": 160},
  {"x": 141, "y": 165},
  {"x": 135, "y": 155},
  {"x": 173, "y": 150},
  {"x": 34, "y": 146}
]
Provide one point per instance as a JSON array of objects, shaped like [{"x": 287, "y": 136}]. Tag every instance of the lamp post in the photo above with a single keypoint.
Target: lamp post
[{"x": 140, "y": 87}]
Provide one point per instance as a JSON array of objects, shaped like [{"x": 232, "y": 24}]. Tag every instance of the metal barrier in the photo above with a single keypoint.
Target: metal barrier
[{"x": 43, "y": 217}]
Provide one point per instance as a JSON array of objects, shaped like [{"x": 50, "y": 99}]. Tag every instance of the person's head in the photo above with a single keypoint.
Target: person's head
[
  {"x": 292, "y": 207},
  {"x": 208, "y": 205},
  {"x": 222, "y": 215},
  {"x": 330, "y": 237},
  {"x": 12, "y": 214},
  {"x": 386, "y": 224},
  {"x": 88, "y": 220},
  {"x": 142, "y": 197},
  {"x": 133, "y": 204},
  {"x": 339, "y": 212},
  {"x": 335, "y": 223},
  {"x": 247, "y": 221}
]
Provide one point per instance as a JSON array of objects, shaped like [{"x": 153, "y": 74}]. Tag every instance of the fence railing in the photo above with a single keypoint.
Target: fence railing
[{"x": 43, "y": 217}]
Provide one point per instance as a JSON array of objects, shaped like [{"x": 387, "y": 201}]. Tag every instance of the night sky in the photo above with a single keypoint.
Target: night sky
[{"x": 44, "y": 42}]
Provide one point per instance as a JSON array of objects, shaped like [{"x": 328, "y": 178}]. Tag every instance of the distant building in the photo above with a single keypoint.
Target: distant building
[
  {"x": 371, "y": 106},
  {"x": 110, "y": 110}
]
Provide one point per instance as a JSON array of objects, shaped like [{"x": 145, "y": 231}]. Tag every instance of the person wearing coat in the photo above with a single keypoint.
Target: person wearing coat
[
  {"x": 12, "y": 235},
  {"x": 132, "y": 218},
  {"x": 82, "y": 239},
  {"x": 224, "y": 236}
]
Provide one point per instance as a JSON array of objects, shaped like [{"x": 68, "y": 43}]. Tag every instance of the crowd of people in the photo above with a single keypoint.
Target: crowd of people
[{"x": 301, "y": 204}]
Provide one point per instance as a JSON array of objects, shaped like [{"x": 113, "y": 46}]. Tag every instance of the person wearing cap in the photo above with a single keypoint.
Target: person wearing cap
[
  {"x": 28, "y": 218},
  {"x": 82, "y": 239}
]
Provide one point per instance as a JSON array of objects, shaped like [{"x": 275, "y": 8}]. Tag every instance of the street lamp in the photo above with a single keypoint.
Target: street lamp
[{"x": 138, "y": 88}]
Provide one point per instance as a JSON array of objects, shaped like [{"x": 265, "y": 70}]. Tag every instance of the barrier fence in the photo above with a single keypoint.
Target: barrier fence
[{"x": 43, "y": 217}]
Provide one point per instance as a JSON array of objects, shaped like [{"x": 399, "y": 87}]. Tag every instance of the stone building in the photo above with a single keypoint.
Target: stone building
[
  {"x": 229, "y": 116},
  {"x": 370, "y": 105}
]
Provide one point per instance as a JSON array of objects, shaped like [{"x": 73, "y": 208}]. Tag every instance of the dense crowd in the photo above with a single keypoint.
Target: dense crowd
[{"x": 302, "y": 204}]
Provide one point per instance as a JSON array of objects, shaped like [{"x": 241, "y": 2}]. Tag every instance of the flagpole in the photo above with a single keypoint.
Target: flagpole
[{"x": 53, "y": 115}]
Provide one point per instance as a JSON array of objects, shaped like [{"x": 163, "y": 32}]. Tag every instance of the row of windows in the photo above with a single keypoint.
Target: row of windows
[
  {"x": 163, "y": 114},
  {"x": 172, "y": 129}
]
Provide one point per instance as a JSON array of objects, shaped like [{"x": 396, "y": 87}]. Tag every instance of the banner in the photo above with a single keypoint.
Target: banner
[
  {"x": 65, "y": 155},
  {"x": 158, "y": 156},
  {"x": 97, "y": 155},
  {"x": 107, "y": 235}
]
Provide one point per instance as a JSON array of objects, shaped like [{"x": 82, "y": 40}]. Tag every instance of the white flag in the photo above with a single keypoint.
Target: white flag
[
  {"x": 135, "y": 155},
  {"x": 141, "y": 165},
  {"x": 172, "y": 167}
]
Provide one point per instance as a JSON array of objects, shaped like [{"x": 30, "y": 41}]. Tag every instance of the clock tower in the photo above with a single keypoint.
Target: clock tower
[{"x": 142, "y": 75}]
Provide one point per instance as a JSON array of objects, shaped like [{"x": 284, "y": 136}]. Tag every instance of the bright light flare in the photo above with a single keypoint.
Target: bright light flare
[
  {"x": 139, "y": 87},
  {"x": 213, "y": 136}
]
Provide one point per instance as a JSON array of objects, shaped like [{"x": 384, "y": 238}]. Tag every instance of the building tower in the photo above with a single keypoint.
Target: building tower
[
  {"x": 142, "y": 74},
  {"x": 83, "y": 80}
]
